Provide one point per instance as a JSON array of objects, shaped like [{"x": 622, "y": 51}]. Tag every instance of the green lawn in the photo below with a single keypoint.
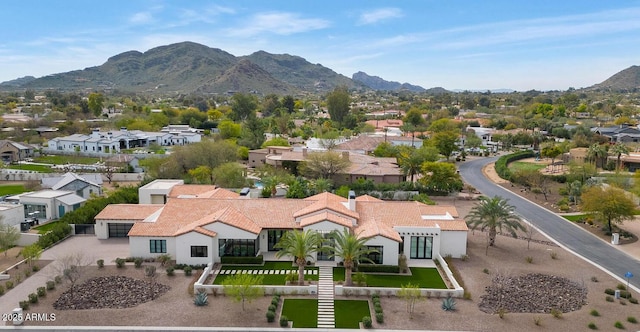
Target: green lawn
[
  {"x": 577, "y": 217},
  {"x": 60, "y": 160},
  {"x": 303, "y": 313},
  {"x": 349, "y": 313},
  {"x": 423, "y": 277},
  {"x": 525, "y": 166},
  {"x": 11, "y": 189},
  {"x": 268, "y": 279},
  {"x": 30, "y": 167},
  {"x": 46, "y": 227}
]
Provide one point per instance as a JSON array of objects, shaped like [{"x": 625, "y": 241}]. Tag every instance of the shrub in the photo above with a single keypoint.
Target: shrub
[
  {"x": 592, "y": 326},
  {"x": 502, "y": 312},
  {"x": 449, "y": 304},
  {"x": 41, "y": 291},
  {"x": 633, "y": 300},
  {"x": 1, "y": 290},
  {"x": 100, "y": 263},
  {"x": 170, "y": 271},
  {"x": 120, "y": 262},
  {"x": 35, "y": 268},
  {"x": 187, "y": 271},
  {"x": 163, "y": 259},
  {"x": 284, "y": 321},
  {"x": 594, "y": 279},
  {"x": 529, "y": 259},
  {"x": 27, "y": 274},
  {"x": 272, "y": 308},
  {"x": 24, "y": 305},
  {"x": 556, "y": 313},
  {"x": 373, "y": 268},
  {"x": 360, "y": 278},
  {"x": 625, "y": 294},
  {"x": 137, "y": 262},
  {"x": 621, "y": 287},
  {"x": 275, "y": 301},
  {"x": 33, "y": 298},
  {"x": 594, "y": 313},
  {"x": 609, "y": 291},
  {"x": 201, "y": 299},
  {"x": 619, "y": 325},
  {"x": 258, "y": 260},
  {"x": 57, "y": 279},
  {"x": 537, "y": 320},
  {"x": 271, "y": 316},
  {"x": 466, "y": 295},
  {"x": 609, "y": 298},
  {"x": 554, "y": 255},
  {"x": 377, "y": 307},
  {"x": 51, "y": 285},
  {"x": 379, "y": 317},
  {"x": 9, "y": 284},
  {"x": 632, "y": 319},
  {"x": 18, "y": 278},
  {"x": 485, "y": 270},
  {"x": 366, "y": 322}
]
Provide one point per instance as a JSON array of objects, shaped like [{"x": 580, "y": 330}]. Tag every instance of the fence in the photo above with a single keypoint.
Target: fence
[{"x": 18, "y": 175}]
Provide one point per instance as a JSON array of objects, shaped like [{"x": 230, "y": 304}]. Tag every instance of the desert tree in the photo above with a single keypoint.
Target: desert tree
[
  {"x": 31, "y": 253},
  {"x": 324, "y": 164},
  {"x": 72, "y": 267},
  {"x": 410, "y": 294},
  {"x": 9, "y": 236},
  {"x": 610, "y": 204},
  {"x": 243, "y": 287}
]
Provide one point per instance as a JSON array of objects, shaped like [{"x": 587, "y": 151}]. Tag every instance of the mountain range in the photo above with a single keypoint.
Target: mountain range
[{"x": 189, "y": 67}]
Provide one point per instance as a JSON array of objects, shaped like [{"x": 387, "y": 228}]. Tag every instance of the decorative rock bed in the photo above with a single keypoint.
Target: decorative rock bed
[
  {"x": 533, "y": 293},
  {"x": 115, "y": 292}
]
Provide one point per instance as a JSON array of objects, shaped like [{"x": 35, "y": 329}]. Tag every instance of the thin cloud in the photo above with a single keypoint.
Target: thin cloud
[
  {"x": 141, "y": 18},
  {"x": 279, "y": 23},
  {"x": 378, "y": 15},
  {"x": 205, "y": 15}
]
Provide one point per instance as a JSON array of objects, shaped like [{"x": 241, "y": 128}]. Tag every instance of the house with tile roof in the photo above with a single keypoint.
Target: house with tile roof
[{"x": 200, "y": 224}]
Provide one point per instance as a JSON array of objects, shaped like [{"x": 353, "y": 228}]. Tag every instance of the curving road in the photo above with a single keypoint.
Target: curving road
[{"x": 572, "y": 237}]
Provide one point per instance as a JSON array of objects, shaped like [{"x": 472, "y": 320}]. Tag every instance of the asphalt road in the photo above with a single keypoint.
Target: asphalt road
[{"x": 572, "y": 237}]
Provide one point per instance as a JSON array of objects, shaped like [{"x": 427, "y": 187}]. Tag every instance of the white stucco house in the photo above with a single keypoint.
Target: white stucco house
[
  {"x": 48, "y": 204},
  {"x": 11, "y": 214},
  {"x": 199, "y": 224},
  {"x": 83, "y": 185}
]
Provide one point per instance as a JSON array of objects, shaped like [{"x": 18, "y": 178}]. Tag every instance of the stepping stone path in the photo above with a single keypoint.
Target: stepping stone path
[{"x": 326, "y": 313}]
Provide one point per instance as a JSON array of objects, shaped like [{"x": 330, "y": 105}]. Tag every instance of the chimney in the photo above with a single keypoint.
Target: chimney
[{"x": 352, "y": 200}]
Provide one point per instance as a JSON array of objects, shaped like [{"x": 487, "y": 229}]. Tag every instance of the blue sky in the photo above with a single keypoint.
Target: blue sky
[{"x": 522, "y": 45}]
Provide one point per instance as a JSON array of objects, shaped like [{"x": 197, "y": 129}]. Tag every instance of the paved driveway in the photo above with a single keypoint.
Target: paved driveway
[
  {"x": 92, "y": 249},
  {"x": 570, "y": 236}
]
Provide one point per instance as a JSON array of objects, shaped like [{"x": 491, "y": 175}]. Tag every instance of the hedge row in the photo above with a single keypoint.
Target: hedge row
[
  {"x": 242, "y": 260},
  {"x": 502, "y": 164},
  {"x": 57, "y": 233},
  {"x": 378, "y": 268}
]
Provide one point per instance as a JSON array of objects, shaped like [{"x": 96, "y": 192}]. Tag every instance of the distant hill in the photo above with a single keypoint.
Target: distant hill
[
  {"x": 189, "y": 67},
  {"x": 377, "y": 83},
  {"x": 18, "y": 81},
  {"x": 627, "y": 80}
]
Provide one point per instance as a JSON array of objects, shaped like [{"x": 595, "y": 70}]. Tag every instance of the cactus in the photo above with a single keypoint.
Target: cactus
[
  {"x": 449, "y": 304},
  {"x": 201, "y": 299}
]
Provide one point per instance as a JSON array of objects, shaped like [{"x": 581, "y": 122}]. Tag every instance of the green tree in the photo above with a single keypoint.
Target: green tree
[
  {"x": 472, "y": 140},
  {"x": 252, "y": 133},
  {"x": 410, "y": 294},
  {"x": 597, "y": 152},
  {"x": 410, "y": 159},
  {"x": 242, "y": 287},
  {"x": 610, "y": 204},
  {"x": 445, "y": 142},
  {"x": 229, "y": 129},
  {"x": 244, "y": 106},
  {"x": 351, "y": 249},
  {"x": 301, "y": 245},
  {"x": 31, "y": 253},
  {"x": 95, "y": 103},
  {"x": 441, "y": 177},
  {"x": 229, "y": 175},
  {"x": 494, "y": 214},
  {"x": 9, "y": 236},
  {"x": 324, "y": 164},
  {"x": 201, "y": 174},
  {"x": 551, "y": 151},
  {"x": 386, "y": 149},
  {"x": 442, "y": 125},
  {"x": 288, "y": 103},
  {"x": 618, "y": 150},
  {"x": 338, "y": 103},
  {"x": 276, "y": 141},
  {"x": 320, "y": 186},
  {"x": 413, "y": 121}
]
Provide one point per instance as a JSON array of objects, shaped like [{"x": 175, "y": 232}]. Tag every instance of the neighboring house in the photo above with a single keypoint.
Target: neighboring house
[
  {"x": 157, "y": 191},
  {"x": 12, "y": 152},
  {"x": 117, "y": 140},
  {"x": 128, "y": 161},
  {"x": 48, "y": 204},
  {"x": 622, "y": 133},
  {"x": 83, "y": 185},
  {"x": 201, "y": 224}
]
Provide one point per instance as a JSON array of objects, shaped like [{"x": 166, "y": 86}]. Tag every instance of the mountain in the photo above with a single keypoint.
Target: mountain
[
  {"x": 626, "y": 80},
  {"x": 377, "y": 83},
  {"x": 189, "y": 67},
  {"x": 17, "y": 82}
]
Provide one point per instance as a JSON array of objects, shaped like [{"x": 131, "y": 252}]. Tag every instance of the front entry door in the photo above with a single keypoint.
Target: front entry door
[{"x": 324, "y": 256}]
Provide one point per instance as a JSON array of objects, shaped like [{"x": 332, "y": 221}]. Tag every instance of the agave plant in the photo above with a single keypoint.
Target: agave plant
[
  {"x": 201, "y": 299},
  {"x": 449, "y": 304}
]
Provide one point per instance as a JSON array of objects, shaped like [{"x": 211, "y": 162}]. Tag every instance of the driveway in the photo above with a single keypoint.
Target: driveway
[
  {"x": 570, "y": 236},
  {"x": 92, "y": 249}
]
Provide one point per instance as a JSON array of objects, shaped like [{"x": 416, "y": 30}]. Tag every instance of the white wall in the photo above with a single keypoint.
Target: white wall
[
  {"x": 48, "y": 202},
  {"x": 453, "y": 243},
  {"x": 389, "y": 251},
  {"x": 229, "y": 232},
  {"x": 139, "y": 246},
  {"x": 183, "y": 248},
  {"x": 12, "y": 214},
  {"x": 157, "y": 187}
]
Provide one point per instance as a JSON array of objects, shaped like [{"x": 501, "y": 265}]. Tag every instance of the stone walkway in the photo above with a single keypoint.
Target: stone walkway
[{"x": 326, "y": 314}]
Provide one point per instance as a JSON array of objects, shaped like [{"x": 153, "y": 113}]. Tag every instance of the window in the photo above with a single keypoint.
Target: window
[
  {"x": 199, "y": 251},
  {"x": 158, "y": 246},
  {"x": 376, "y": 256},
  {"x": 237, "y": 247},
  {"x": 421, "y": 247}
]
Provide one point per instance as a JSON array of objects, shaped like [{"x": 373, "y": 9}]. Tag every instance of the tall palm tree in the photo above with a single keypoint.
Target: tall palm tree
[
  {"x": 618, "y": 149},
  {"x": 300, "y": 245},
  {"x": 351, "y": 249},
  {"x": 494, "y": 214},
  {"x": 595, "y": 152}
]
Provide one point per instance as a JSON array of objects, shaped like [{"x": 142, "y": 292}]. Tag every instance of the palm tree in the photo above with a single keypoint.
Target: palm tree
[
  {"x": 494, "y": 214},
  {"x": 595, "y": 152},
  {"x": 351, "y": 249},
  {"x": 618, "y": 149},
  {"x": 300, "y": 245}
]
